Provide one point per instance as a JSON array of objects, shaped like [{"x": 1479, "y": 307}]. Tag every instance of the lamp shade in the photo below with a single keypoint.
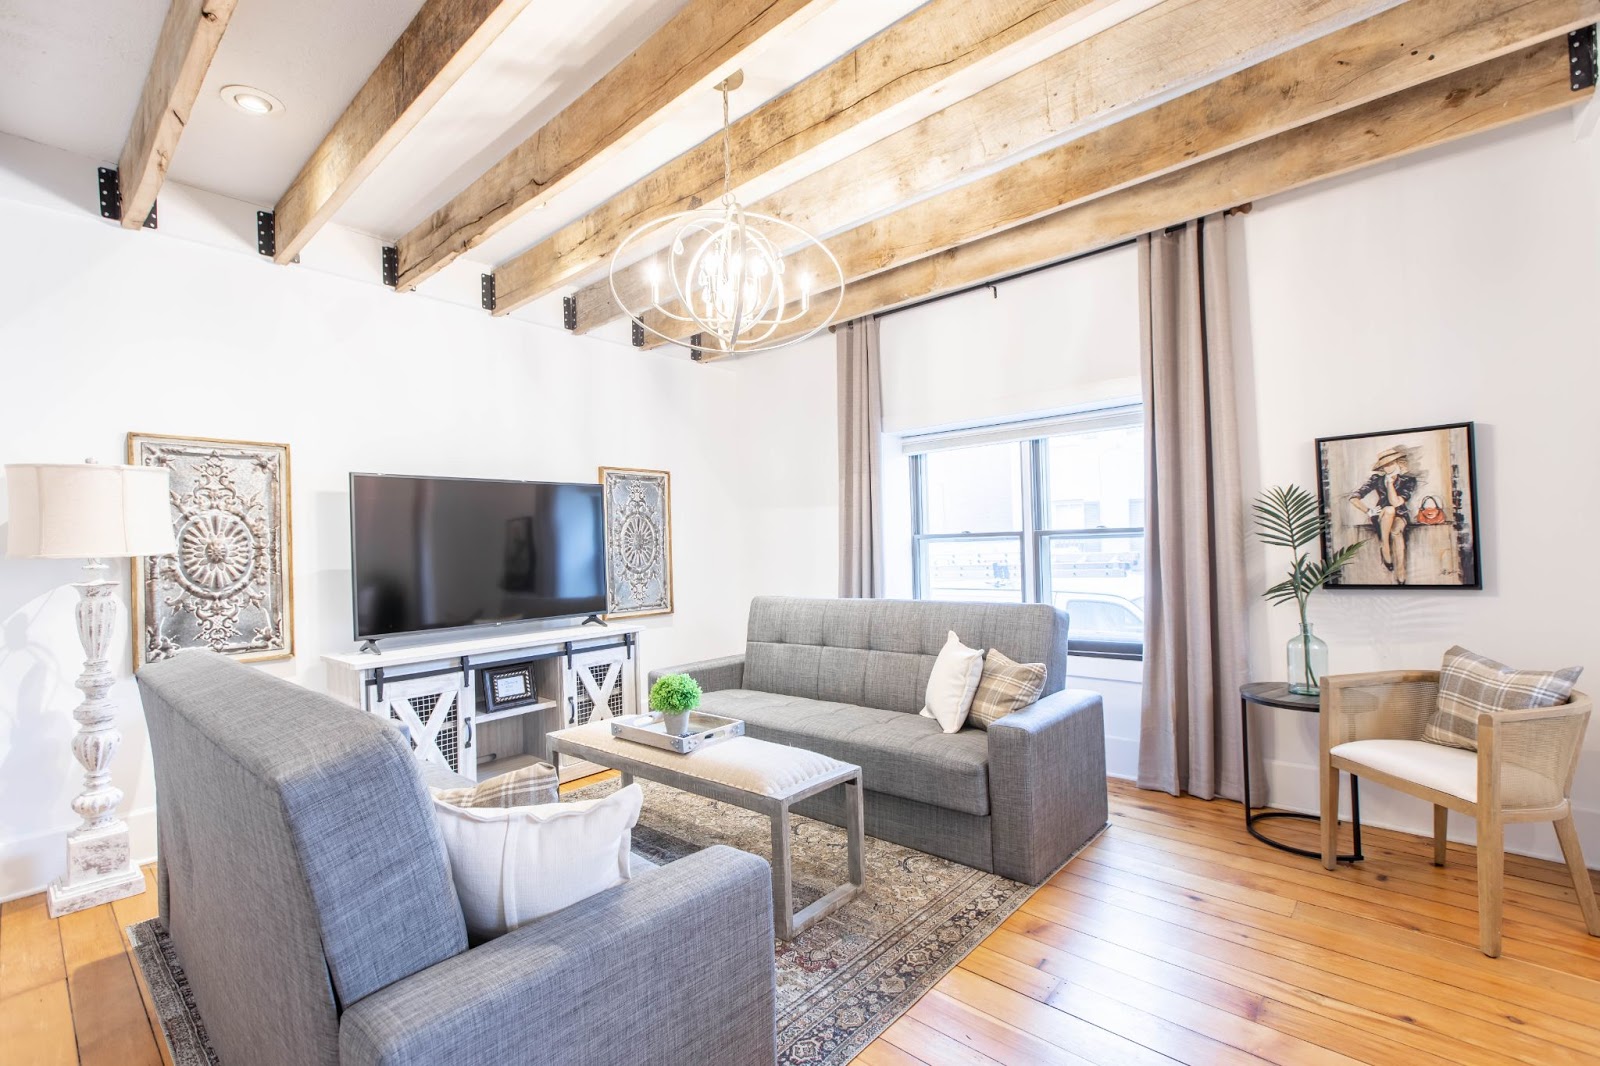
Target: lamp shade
[{"x": 88, "y": 511}]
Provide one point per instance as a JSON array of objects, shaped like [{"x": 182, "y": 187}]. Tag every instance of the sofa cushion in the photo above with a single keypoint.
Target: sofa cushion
[
  {"x": 903, "y": 755},
  {"x": 879, "y": 653}
]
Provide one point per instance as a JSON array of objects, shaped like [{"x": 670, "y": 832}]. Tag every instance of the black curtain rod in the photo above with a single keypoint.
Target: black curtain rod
[{"x": 1008, "y": 277}]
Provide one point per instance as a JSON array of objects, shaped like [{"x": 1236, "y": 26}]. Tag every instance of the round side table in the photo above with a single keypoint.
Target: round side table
[{"x": 1277, "y": 694}]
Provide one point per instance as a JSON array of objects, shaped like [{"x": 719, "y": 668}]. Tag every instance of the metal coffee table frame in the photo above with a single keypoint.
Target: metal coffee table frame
[
  {"x": 1277, "y": 694},
  {"x": 786, "y": 923}
]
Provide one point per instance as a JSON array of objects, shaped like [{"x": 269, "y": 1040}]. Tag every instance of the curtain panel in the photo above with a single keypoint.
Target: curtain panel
[
  {"x": 860, "y": 459},
  {"x": 1195, "y": 601}
]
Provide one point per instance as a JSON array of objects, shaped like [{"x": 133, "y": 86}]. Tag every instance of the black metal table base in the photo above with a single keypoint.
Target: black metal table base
[{"x": 1254, "y": 815}]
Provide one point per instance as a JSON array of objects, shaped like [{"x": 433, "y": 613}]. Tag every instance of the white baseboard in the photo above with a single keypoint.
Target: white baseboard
[{"x": 28, "y": 865}]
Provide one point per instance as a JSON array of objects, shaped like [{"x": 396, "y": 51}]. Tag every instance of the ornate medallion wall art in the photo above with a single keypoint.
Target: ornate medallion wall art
[
  {"x": 638, "y": 516},
  {"x": 230, "y": 586}
]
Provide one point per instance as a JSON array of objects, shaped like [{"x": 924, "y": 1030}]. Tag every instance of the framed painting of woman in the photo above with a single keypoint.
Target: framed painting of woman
[{"x": 1411, "y": 496}]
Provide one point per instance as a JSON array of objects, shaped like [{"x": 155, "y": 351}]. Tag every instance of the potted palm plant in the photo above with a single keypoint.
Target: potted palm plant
[
  {"x": 1289, "y": 517},
  {"x": 674, "y": 696}
]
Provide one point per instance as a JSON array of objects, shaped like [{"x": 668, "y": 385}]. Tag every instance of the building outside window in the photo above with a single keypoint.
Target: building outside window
[{"x": 1047, "y": 512}]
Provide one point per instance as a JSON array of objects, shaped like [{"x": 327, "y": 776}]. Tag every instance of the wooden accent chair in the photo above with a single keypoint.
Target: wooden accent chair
[{"x": 1522, "y": 772}]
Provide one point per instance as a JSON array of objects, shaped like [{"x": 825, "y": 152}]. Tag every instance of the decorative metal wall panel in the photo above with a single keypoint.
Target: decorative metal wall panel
[
  {"x": 230, "y": 586},
  {"x": 638, "y": 516}
]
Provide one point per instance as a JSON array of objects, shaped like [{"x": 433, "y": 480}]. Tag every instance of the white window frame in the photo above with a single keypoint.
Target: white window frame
[{"x": 1034, "y": 537}]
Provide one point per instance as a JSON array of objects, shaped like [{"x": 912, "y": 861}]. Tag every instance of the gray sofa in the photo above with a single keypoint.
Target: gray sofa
[
  {"x": 308, "y": 896},
  {"x": 847, "y": 678}
]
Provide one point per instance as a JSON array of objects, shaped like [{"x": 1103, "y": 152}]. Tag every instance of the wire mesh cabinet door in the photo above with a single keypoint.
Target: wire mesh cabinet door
[
  {"x": 600, "y": 684},
  {"x": 436, "y": 713}
]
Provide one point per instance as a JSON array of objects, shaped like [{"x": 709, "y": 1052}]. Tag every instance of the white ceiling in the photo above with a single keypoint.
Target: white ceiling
[{"x": 71, "y": 81}]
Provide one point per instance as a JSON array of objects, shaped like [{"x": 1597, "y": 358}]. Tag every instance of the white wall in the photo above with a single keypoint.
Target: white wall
[
  {"x": 1455, "y": 285},
  {"x": 187, "y": 331}
]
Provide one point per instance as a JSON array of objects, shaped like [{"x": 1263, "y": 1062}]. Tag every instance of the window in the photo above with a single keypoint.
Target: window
[{"x": 1048, "y": 512}]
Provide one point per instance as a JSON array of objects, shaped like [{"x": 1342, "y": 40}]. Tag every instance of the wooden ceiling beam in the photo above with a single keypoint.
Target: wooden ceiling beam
[
  {"x": 1174, "y": 46},
  {"x": 188, "y": 41},
  {"x": 1388, "y": 53},
  {"x": 699, "y": 46},
  {"x": 947, "y": 48},
  {"x": 1509, "y": 89},
  {"x": 444, "y": 39}
]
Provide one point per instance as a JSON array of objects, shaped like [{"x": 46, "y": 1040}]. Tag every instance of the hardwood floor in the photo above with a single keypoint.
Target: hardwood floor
[{"x": 1175, "y": 937}]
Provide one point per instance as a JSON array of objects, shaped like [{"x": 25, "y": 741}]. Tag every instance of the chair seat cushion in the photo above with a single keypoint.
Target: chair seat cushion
[
  {"x": 1453, "y": 771},
  {"x": 900, "y": 754}
]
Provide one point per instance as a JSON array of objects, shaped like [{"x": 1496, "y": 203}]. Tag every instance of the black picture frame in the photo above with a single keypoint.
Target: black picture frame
[{"x": 1432, "y": 460}]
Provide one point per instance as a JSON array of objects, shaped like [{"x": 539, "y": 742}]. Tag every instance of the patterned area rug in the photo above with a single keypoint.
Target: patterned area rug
[{"x": 840, "y": 984}]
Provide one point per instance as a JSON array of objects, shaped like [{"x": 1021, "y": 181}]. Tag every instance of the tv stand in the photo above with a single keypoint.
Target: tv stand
[{"x": 594, "y": 620}]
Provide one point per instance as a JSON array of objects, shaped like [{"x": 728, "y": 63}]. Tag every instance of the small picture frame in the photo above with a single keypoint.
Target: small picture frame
[{"x": 1410, "y": 497}]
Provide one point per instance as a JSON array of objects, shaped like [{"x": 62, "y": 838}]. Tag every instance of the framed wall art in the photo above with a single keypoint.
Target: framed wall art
[
  {"x": 1411, "y": 498},
  {"x": 638, "y": 519},
  {"x": 230, "y": 585}
]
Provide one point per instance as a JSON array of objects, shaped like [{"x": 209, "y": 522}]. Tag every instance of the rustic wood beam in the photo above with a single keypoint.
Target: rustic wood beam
[
  {"x": 1505, "y": 90},
  {"x": 444, "y": 39},
  {"x": 699, "y": 46},
  {"x": 1388, "y": 53},
  {"x": 189, "y": 37},
  {"x": 1127, "y": 65},
  {"x": 956, "y": 45}
]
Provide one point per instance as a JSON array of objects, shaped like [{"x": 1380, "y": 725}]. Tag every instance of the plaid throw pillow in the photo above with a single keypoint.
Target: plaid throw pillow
[
  {"x": 1006, "y": 686},
  {"x": 1470, "y": 683},
  {"x": 524, "y": 787}
]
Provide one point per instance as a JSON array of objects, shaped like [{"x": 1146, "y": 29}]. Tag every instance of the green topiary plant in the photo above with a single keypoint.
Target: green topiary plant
[{"x": 674, "y": 694}]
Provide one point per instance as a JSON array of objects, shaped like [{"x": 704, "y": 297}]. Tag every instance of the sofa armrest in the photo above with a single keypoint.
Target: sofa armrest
[
  {"x": 674, "y": 967},
  {"x": 713, "y": 674},
  {"x": 1047, "y": 783}
]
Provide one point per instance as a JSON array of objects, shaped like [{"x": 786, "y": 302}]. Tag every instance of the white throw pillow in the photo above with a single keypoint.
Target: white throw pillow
[
  {"x": 514, "y": 864},
  {"x": 955, "y": 677}
]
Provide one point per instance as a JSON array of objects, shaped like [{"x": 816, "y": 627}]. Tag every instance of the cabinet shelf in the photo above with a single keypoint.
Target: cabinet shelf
[{"x": 532, "y": 708}]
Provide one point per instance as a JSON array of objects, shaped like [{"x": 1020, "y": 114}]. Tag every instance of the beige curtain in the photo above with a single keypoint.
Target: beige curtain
[
  {"x": 860, "y": 464},
  {"x": 1194, "y": 654}
]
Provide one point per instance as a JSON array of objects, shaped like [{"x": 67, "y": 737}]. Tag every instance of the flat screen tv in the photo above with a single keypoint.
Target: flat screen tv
[{"x": 433, "y": 553}]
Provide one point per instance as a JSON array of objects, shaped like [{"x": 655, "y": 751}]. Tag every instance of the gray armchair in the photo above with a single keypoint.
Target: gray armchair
[{"x": 308, "y": 896}]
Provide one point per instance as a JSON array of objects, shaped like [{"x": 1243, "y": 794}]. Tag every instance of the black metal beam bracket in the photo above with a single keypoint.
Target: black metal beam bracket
[
  {"x": 391, "y": 265},
  {"x": 637, "y": 334},
  {"x": 266, "y": 233},
  {"x": 111, "y": 198},
  {"x": 569, "y": 312},
  {"x": 697, "y": 347},
  {"x": 486, "y": 291},
  {"x": 1581, "y": 53}
]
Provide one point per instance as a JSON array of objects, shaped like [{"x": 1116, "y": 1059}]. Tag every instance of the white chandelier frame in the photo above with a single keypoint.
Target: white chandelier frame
[{"x": 740, "y": 308}]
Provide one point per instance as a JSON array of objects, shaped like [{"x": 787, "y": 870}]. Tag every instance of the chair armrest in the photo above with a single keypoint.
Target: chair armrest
[
  {"x": 713, "y": 674},
  {"x": 1047, "y": 783},
  {"x": 1391, "y": 705},
  {"x": 674, "y": 967},
  {"x": 1527, "y": 759}
]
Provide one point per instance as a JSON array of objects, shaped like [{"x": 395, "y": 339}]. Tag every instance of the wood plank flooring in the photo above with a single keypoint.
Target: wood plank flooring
[{"x": 1173, "y": 938}]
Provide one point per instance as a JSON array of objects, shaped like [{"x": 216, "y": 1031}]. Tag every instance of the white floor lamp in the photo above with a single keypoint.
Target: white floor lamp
[{"x": 92, "y": 512}]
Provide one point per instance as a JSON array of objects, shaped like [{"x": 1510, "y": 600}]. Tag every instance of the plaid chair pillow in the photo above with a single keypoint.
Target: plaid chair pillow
[
  {"x": 1470, "y": 683},
  {"x": 523, "y": 787},
  {"x": 1005, "y": 687}
]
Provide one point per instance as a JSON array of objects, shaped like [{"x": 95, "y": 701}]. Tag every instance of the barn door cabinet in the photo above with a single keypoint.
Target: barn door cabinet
[{"x": 485, "y": 706}]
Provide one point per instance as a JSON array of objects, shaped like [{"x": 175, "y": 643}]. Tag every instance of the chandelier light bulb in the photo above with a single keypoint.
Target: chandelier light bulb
[{"x": 724, "y": 274}]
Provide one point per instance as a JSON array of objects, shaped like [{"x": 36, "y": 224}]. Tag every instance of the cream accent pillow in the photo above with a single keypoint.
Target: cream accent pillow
[
  {"x": 955, "y": 677},
  {"x": 514, "y": 864}
]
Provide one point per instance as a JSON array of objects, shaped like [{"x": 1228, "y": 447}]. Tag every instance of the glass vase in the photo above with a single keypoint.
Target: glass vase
[{"x": 1308, "y": 661}]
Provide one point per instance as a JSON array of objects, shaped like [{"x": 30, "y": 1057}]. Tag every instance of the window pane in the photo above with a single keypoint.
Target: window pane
[
  {"x": 1099, "y": 582},
  {"x": 973, "y": 490},
  {"x": 1095, "y": 479},
  {"x": 989, "y": 569}
]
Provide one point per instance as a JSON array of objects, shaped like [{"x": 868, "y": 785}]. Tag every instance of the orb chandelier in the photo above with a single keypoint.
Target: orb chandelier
[{"x": 723, "y": 283}]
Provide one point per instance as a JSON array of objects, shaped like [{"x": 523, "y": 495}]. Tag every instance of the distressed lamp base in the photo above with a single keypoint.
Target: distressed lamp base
[{"x": 99, "y": 869}]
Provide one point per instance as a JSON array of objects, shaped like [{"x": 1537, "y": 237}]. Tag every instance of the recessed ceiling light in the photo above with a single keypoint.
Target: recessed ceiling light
[{"x": 252, "y": 101}]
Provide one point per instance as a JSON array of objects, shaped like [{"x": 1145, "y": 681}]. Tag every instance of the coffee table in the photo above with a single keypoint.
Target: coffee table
[{"x": 754, "y": 774}]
